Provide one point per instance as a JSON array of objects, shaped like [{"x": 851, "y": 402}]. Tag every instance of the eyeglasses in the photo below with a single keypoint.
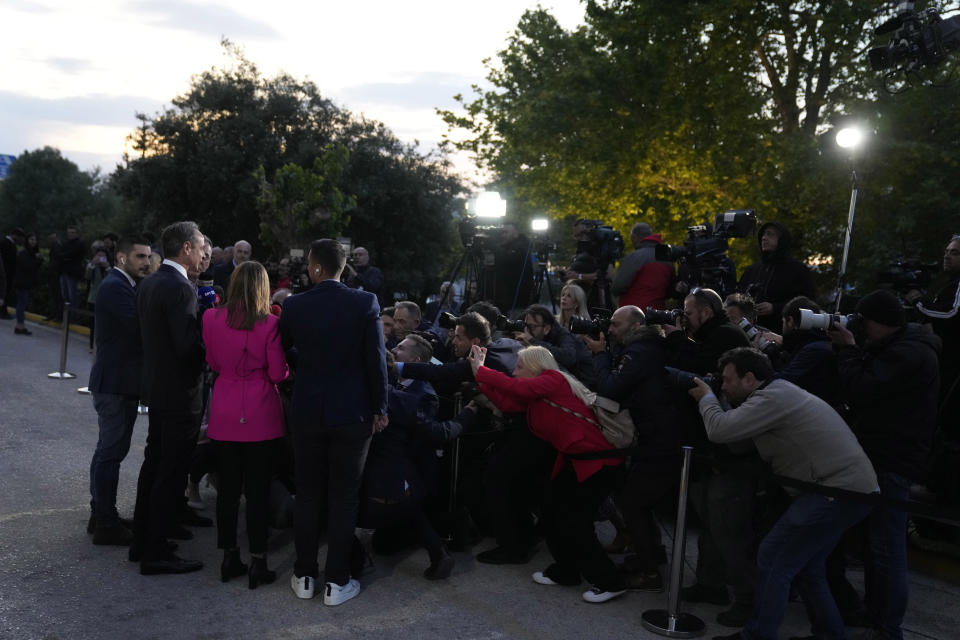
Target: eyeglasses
[{"x": 530, "y": 327}]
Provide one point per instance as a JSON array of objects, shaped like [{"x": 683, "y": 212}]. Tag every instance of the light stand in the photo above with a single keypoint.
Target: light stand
[{"x": 848, "y": 138}]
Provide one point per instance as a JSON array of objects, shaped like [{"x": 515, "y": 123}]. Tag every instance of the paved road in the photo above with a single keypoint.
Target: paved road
[{"x": 55, "y": 584}]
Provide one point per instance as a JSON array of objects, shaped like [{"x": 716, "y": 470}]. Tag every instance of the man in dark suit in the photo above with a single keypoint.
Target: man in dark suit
[
  {"x": 242, "y": 251},
  {"x": 334, "y": 340},
  {"x": 115, "y": 385},
  {"x": 171, "y": 385}
]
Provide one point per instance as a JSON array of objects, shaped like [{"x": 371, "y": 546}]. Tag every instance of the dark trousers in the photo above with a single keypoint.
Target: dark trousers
[
  {"x": 246, "y": 467},
  {"x": 885, "y": 564},
  {"x": 329, "y": 469},
  {"x": 568, "y": 510},
  {"x": 642, "y": 491},
  {"x": 116, "y": 415},
  {"x": 514, "y": 483},
  {"x": 726, "y": 547},
  {"x": 171, "y": 437},
  {"x": 375, "y": 514}
]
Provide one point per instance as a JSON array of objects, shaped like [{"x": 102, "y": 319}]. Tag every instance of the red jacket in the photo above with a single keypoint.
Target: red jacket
[{"x": 566, "y": 432}]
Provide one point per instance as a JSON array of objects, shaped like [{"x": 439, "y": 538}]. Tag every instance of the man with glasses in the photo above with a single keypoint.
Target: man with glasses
[{"x": 541, "y": 329}]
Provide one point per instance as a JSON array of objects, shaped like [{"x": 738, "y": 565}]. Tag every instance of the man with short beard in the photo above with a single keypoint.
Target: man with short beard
[{"x": 115, "y": 385}]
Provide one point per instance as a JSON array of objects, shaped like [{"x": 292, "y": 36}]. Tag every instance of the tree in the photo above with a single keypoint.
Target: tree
[{"x": 45, "y": 192}]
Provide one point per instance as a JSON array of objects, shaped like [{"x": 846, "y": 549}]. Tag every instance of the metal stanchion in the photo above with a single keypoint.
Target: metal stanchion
[
  {"x": 62, "y": 373},
  {"x": 670, "y": 622},
  {"x": 454, "y": 468}
]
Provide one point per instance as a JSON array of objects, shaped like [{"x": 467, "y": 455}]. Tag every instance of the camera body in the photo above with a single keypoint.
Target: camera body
[
  {"x": 756, "y": 338},
  {"x": 659, "y": 316},
  {"x": 504, "y": 323},
  {"x": 594, "y": 327},
  {"x": 903, "y": 275},
  {"x": 601, "y": 241},
  {"x": 826, "y": 321}
]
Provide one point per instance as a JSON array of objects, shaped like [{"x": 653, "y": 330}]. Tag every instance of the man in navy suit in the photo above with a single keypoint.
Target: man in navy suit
[
  {"x": 334, "y": 341},
  {"x": 171, "y": 385},
  {"x": 115, "y": 385}
]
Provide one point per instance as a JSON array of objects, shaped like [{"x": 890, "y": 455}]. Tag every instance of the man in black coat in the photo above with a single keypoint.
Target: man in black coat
[
  {"x": 543, "y": 330},
  {"x": 891, "y": 383},
  {"x": 72, "y": 253},
  {"x": 777, "y": 277},
  {"x": 171, "y": 385},
  {"x": 242, "y": 250},
  {"x": 8, "y": 253},
  {"x": 115, "y": 385}
]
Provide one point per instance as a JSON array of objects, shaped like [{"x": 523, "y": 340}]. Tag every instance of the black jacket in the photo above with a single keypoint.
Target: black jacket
[
  {"x": 28, "y": 269},
  {"x": 71, "y": 258},
  {"x": 633, "y": 374},
  {"x": 570, "y": 353},
  {"x": 892, "y": 387},
  {"x": 700, "y": 352},
  {"x": 777, "y": 278},
  {"x": 119, "y": 362},
  {"x": 501, "y": 356},
  {"x": 809, "y": 361}
]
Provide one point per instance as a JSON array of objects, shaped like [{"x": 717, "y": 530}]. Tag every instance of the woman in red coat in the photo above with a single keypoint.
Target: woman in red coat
[
  {"x": 556, "y": 412},
  {"x": 243, "y": 347}
]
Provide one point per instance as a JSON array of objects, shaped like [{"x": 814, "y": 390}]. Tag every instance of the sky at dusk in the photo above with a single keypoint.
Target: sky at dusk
[{"x": 73, "y": 74}]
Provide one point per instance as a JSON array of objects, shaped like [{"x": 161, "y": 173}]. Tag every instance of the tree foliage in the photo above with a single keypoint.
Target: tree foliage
[{"x": 666, "y": 112}]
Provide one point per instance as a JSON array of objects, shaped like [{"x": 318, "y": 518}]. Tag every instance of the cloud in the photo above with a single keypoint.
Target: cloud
[
  {"x": 70, "y": 65},
  {"x": 206, "y": 19},
  {"x": 422, "y": 91},
  {"x": 92, "y": 110},
  {"x": 27, "y": 6}
]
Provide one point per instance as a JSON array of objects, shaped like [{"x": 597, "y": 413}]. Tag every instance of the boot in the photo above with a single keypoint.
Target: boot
[
  {"x": 441, "y": 565},
  {"x": 232, "y": 566},
  {"x": 259, "y": 573}
]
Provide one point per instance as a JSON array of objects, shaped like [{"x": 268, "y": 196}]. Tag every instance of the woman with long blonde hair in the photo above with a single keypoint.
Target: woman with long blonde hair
[
  {"x": 246, "y": 418},
  {"x": 573, "y": 304},
  {"x": 556, "y": 411}
]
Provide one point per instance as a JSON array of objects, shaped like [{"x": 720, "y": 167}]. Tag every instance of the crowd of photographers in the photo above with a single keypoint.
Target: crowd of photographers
[{"x": 758, "y": 381}]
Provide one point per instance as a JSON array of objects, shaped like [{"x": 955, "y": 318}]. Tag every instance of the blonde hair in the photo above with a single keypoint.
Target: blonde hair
[
  {"x": 248, "y": 296},
  {"x": 539, "y": 359},
  {"x": 580, "y": 297}
]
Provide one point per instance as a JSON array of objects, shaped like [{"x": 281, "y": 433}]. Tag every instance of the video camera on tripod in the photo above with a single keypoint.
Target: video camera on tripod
[
  {"x": 920, "y": 39},
  {"x": 704, "y": 249}
]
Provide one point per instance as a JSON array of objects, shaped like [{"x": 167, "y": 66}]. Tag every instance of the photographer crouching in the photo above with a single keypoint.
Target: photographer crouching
[
  {"x": 802, "y": 438},
  {"x": 632, "y": 373}
]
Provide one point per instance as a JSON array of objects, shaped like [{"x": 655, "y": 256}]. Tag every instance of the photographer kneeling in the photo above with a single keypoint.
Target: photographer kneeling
[
  {"x": 803, "y": 438},
  {"x": 632, "y": 373},
  {"x": 556, "y": 412}
]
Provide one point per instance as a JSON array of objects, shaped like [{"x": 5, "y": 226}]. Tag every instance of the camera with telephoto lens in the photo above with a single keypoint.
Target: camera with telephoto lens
[
  {"x": 594, "y": 327},
  {"x": 659, "y": 316},
  {"x": 504, "y": 323},
  {"x": 826, "y": 321},
  {"x": 756, "y": 338},
  {"x": 447, "y": 320},
  {"x": 920, "y": 38},
  {"x": 683, "y": 380},
  {"x": 903, "y": 275},
  {"x": 704, "y": 248},
  {"x": 601, "y": 241}
]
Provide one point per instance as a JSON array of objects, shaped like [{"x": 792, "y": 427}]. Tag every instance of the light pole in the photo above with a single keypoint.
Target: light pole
[{"x": 848, "y": 138}]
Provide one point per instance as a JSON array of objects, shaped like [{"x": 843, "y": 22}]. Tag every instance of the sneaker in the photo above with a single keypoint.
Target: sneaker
[
  {"x": 302, "y": 587},
  {"x": 540, "y": 578},
  {"x": 650, "y": 582},
  {"x": 598, "y": 595},
  {"x": 336, "y": 594}
]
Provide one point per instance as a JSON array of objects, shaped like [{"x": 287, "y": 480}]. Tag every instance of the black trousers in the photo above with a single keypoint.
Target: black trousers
[
  {"x": 514, "y": 480},
  {"x": 171, "y": 438},
  {"x": 568, "y": 510},
  {"x": 642, "y": 491},
  {"x": 375, "y": 514},
  {"x": 329, "y": 470},
  {"x": 246, "y": 467}
]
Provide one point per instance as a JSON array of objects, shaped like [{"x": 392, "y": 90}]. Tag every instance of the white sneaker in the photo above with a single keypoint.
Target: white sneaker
[
  {"x": 595, "y": 595},
  {"x": 194, "y": 500},
  {"x": 302, "y": 587},
  {"x": 540, "y": 578},
  {"x": 335, "y": 594}
]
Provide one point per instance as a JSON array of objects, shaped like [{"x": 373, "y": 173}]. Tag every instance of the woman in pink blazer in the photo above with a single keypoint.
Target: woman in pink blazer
[{"x": 243, "y": 347}]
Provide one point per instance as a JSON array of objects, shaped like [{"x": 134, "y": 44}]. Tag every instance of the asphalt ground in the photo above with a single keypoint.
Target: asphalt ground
[{"x": 54, "y": 583}]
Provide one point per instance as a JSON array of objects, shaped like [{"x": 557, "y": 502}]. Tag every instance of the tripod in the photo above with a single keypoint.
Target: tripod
[
  {"x": 542, "y": 276},
  {"x": 470, "y": 264}
]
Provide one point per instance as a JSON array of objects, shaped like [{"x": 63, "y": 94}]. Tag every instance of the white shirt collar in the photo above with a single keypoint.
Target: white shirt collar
[
  {"x": 179, "y": 267},
  {"x": 127, "y": 276}
]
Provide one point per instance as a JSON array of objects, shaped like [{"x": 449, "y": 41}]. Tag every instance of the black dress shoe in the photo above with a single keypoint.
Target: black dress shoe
[
  {"x": 259, "y": 573},
  {"x": 115, "y": 535},
  {"x": 232, "y": 566},
  {"x": 507, "y": 555},
  {"x": 170, "y": 564}
]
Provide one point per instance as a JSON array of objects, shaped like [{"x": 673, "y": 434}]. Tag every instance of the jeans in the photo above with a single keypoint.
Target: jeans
[
  {"x": 796, "y": 550},
  {"x": 885, "y": 567},
  {"x": 116, "y": 415},
  {"x": 329, "y": 468},
  {"x": 23, "y": 298}
]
